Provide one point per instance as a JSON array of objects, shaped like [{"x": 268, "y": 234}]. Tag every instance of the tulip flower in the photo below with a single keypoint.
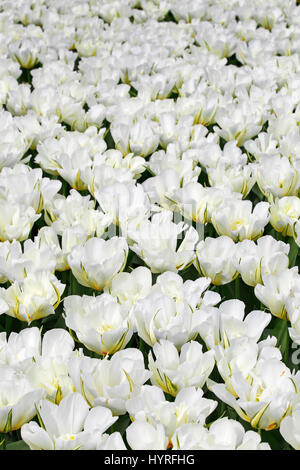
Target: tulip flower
[
  {"x": 155, "y": 242},
  {"x": 96, "y": 262},
  {"x": 71, "y": 425},
  {"x": 173, "y": 371},
  {"x": 214, "y": 259},
  {"x": 111, "y": 382},
  {"x": 18, "y": 399},
  {"x": 256, "y": 260},
  {"x": 100, "y": 323}
]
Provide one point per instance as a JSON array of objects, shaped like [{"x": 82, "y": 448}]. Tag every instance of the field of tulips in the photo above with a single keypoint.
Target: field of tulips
[{"x": 149, "y": 224}]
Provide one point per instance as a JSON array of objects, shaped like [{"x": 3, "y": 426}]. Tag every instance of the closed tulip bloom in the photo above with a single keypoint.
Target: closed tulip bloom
[
  {"x": 143, "y": 138},
  {"x": 214, "y": 259},
  {"x": 276, "y": 289},
  {"x": 199, "y": 203},
  {"x": 37, "y": 296},
  {"x": 110, "y": 382},
  {"x": 96, "y": 262},
  {"x": 195, "y": 293},
  {"x": 173, "y": 371},
  {"x": 48, "y": 238},
  {"x": 236, "y": 123},
  {"x": 239, "y": 221},
  {"x": 77, "y": 212},
  {"x": 127, "y": 204},
  {"x": 158, "y": 317},
  {"x": 23, "y": 185},
  {"x": 289, "y": 428},
  {"x": 141, "y": 435},
  {"x": 241, "y": 354},
  {"x": 155, "y": 242},
  {"x": 220, "y": 325},
  {"x": 26, "y": 53},
  {"x": 16, "y": 221},
  {"x": 277, "y": 176},
  {"x": 31, "y": 259},
  {"x": 264, "y": 144},
  {"x": 71, "y": 425},
  {"x": 128, "y": 288},
  {"x": 19, "y": 347},
  {"x": 284, "y": 214},
  {"x": 189, "y": 406},
  {"x": 265, "y": 397},
  {"x": 192, "y": 201},
  {"x": 28, "y": 345},
  {"x": 18, "y": 399},
  {"x": 50, "y": 373},
  {"x": 47, "y": 369},
  {"x": 100, "y": 323},
  {"x": 256, "y": 260},
  {"x": 236, "y": 178},
  {"x": 223, "y": 434}
]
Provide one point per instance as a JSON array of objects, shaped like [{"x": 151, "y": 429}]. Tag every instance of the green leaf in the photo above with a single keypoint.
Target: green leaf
[
  {"x": 283, "y": 340},
  {"x": 120, "y": 425},
  {"x": 257, "y": 192},
  {"x": 18, "y": 445},
  {"x": 274, "y": 439},
  {"x": 293, "y": 253}
]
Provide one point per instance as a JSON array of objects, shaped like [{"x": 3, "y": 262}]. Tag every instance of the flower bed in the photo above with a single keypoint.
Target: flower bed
[{"x": 149, "y": 224}]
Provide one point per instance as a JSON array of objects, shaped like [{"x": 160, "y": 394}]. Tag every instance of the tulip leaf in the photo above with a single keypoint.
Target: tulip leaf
[
  {"x": 17, "y": 445},
  {"x": 283, "y": 340},
  {"x": 8, "y": 424},
  {"x": 293, "y": 253},
  {"x": 120, "y": 425},
  {"x": 257, "y": 192}
]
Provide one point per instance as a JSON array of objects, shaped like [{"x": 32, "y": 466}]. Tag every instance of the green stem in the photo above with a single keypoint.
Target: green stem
[
  {"x": 8, "y": 324},
  {"x": 72, "y": 284},
  {"x": 28, "y": 76},
  {"x": 237, "y": 287},
  {"x": 65, "y": 188},
  {"x": 2, "y": 441}
]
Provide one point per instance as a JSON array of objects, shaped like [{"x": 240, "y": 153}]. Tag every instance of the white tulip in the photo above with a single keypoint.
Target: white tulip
[
  {"x": 149, "y": 405},
  {"x": 223, "y": 434},
  {"x": 289, "y": 429},
  {"x": 128, "y": 288},
  {"x": 100, "y": 323},
  {"x": 96, "y": 262},
  {"x": 284, "y": 214},
  {"x": 173, "y": 371},
  {"x": 240, "y": 221},
  {"x": 214, "y": 259},
  {"x": 111, "y": 382},
  {"x": 220, "y": 325},
  {"x": 155, "y": 242},
  {"x": 277, "y": 176},
  {"x": 195, "y": 293},
  {"x": 160, "y": 317},
  {"x": 265, "y": 397},
  {"x": 37, "y": 296},
  {"x": 256, "y": 260},
  {"x": 69, "y": 426},
  {"x": 141, "y": 435},
  {"x": 276, "y": 289},
  {"x": 18, "y": 399}
]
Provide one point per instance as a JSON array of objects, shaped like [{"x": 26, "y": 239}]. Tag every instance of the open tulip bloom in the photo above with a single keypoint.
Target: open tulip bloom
[{"x": 149, "y": 225}]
